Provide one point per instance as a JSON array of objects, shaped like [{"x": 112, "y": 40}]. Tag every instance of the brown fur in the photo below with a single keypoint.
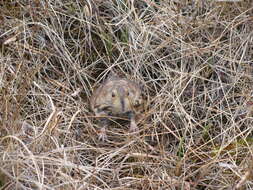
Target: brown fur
[
  {"x": 116, "y": 97},
  {"x": 125, "y": 91}
]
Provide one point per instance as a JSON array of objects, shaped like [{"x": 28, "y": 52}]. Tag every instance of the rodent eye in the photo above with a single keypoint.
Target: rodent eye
[
  {"x": 113, "y": 95},
  {"x": 128, "y": 93},
  {"x": 138, "y": 102}
]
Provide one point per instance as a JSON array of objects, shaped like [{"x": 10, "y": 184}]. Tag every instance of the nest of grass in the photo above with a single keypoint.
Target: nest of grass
[{"x": 194, "y": 60}]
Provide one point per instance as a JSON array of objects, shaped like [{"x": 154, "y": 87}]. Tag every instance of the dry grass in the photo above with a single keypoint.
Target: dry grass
[{"x": 194, "y": 61}]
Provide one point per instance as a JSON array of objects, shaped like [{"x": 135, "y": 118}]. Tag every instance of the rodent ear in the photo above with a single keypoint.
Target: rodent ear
[
  {"x": 112, "y": 76},
  {"x": 142, "y": 86}
]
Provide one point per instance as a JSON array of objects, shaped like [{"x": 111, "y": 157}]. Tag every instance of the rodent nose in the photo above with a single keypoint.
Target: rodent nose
[{"x": 122, "y": 102}]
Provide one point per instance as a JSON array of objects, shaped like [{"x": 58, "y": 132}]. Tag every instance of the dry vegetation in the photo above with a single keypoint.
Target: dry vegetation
[{"x": 193, "y": 60}]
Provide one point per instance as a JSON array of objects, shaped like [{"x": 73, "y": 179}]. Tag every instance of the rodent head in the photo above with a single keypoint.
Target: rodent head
[{"x": 123, "y": 100}]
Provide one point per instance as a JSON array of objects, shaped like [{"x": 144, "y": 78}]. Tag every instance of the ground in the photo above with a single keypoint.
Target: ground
[{"x": 193, "y": 61}]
